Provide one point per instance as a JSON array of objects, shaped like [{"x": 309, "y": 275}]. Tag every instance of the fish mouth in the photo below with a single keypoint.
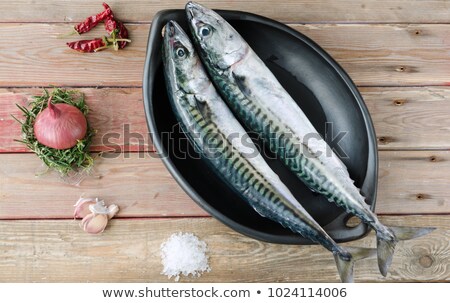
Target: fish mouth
[
  {"x": 193, "y": 10},
  {"x": 174, "y": 33},
  {"x": 169, "y": 29},
  {"x": 173, "y": 29}
]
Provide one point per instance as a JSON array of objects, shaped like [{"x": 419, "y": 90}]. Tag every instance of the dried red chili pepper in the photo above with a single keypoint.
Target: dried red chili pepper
[
  {"x": 118, "y": 32},
  {"x": 123, "y": 34},
  {"x": 110, "y": 24},
  {"x": 88, "y": 46},
  {"x": 106, "y": 6},
  {"x": 116, "y": 29},
  {"x": 92, "y": 21},
  {"x": 110, "y": 21}
]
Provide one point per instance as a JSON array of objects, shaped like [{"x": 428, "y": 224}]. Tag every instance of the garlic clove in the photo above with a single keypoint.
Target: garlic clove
[
  {"x": 94, "y": 223},
  {"x": 95, "y": 214},
  {"x": 113, "y": 209},
  {"x": 82, "y": 207}
]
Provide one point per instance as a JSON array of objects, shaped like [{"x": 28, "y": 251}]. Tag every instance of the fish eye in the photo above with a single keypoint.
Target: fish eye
[
  {"x": 205, "y": 31},
  {"x": 180, "y": 52}
]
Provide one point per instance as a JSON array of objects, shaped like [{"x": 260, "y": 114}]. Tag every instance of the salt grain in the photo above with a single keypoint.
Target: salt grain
[{"x": 184, "y": 254}]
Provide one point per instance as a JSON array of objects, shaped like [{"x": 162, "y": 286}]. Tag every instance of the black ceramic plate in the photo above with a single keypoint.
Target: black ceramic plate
[{"x": 321, "y": 88}]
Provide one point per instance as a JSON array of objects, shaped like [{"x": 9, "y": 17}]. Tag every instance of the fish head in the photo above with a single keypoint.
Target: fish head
[
  {"x": 219, "y": 43},
  {"x": 183, "y": 66}
]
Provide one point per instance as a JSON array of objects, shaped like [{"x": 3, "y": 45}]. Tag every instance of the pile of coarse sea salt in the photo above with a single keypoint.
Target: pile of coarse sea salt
[{"x": 184, "y": 254}]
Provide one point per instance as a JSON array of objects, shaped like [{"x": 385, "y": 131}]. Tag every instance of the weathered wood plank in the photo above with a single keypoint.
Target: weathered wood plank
[
  {"x": 404, "y": 118},
  {"x": 117, "y": 114},
  {"x": 48, "y": 61},
  {"x": 391, "y": 55},
  {"x": 128, "y": 251},
  {"x": 412, "y": 182},
  {"x": 373, "y": 55},
  {"x": 410, "y": 117},
  {"x": 419, "y": 11},
  {"x": 140, "y": 185}
]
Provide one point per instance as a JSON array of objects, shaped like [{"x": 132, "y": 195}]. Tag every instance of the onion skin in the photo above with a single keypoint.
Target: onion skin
[{"x": 60, "y": 126}]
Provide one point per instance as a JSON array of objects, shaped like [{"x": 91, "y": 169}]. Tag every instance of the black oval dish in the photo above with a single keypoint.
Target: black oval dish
[{"x": 324, "y": 92}]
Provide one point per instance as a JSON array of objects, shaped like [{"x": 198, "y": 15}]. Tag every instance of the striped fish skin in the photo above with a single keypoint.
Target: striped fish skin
[
  {"x": 211, "y": 127},
  {"x": 262, "y": 104}
]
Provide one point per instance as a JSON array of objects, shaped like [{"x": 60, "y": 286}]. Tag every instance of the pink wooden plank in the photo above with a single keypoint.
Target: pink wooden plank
[{"x": 116, "y": 113}]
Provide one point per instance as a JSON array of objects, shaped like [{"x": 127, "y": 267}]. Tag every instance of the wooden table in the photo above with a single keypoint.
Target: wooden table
[{"x": 397, "y": 52}]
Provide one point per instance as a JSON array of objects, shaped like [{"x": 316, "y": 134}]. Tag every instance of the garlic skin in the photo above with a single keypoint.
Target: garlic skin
[
  {"x": 113, "y": 209},
  {"x": 99, "y": 207},
  {"x": 95, "y": 214},
  {"x": 82, "y": 207}
]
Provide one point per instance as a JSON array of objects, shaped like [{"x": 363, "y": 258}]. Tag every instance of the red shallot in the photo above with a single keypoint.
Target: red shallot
[{"x": 60, "y": 125}]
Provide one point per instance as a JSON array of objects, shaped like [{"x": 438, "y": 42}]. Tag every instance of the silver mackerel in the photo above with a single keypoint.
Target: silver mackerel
[
  {"x": 218, "y": 137},
  {"x": 259, "y": 101}
]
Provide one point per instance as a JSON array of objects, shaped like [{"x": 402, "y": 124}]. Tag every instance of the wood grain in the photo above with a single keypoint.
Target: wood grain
[
  {"x": 410, "y": 117},
  {"x": 48, "y": 61},
  {"x": 117, "y": 114},
  {"x": 414, "y": 182},
  {"x": 128, "y": 251},
  {"x": 142, "y": 186},
  {"x": 373, "y": 55},
  {"x": 388, "y": 54},
  {"x": 138, "y": 183},
  {"x": 418, "y": 11},
  {"x": 404, "y": 118}
]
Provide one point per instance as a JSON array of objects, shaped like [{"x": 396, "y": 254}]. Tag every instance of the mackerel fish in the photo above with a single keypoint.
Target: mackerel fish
[
  {"x": 262, "y": 104},
  {"x": 216, "y": 134}
]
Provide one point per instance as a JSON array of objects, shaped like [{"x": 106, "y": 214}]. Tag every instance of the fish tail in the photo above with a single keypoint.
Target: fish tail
[
  {"x": 386, "y": 242},
  {"x": 385, "y": 251},
  {"x": 345, "y": 260}
]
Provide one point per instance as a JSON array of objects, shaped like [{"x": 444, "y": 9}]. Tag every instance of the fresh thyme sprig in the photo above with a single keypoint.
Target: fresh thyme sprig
[{"x": 66, "y": 160}]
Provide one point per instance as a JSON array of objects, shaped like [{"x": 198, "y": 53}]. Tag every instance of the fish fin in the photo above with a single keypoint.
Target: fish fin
[
  {"x": 202, "y": 105},
  {"x": 385, "y": 251},
  {"x": 345, "y": 269},
  {"x": 386, "y": 247},
  {"x": 346, "y": 263},
  {"x": 359, "y": 253},
  {"x": 263, "y": 212},
  {"x": 408, "y": 233}
]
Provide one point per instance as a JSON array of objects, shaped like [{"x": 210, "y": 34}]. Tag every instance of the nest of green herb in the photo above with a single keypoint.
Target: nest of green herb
[{"x": 63, "y": 161}]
